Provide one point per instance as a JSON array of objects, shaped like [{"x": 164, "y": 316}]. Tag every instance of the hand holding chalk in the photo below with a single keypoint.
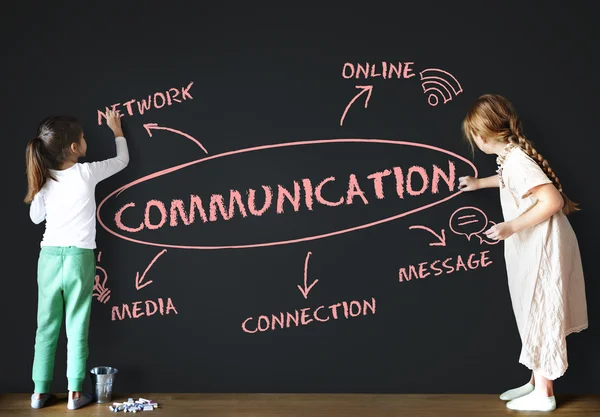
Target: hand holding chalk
[
  {"x": 113, "y": 120},
  {"x": 500, "y": 231},
  {"x": 468, "y": 183}
]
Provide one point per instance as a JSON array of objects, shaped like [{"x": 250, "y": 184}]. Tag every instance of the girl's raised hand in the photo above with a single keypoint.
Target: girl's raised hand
[
  {"x": 113, "y": 120},
  {"x": 468, "y": 183}
]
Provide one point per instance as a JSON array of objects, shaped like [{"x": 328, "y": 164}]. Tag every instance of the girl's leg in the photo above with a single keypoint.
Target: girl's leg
[
  {"x": 544, "y": 385},
  {"x": 532, "y": 380},
  {"x": 80, "y": 269},
  {"x": 49, "y": 319}
]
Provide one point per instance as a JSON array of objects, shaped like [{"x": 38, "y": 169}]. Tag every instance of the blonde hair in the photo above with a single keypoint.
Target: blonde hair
[{"x": 493, "y": 116}]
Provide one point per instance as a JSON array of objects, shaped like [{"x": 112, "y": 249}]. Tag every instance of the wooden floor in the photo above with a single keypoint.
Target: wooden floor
[{"x": 279, "y": 405}]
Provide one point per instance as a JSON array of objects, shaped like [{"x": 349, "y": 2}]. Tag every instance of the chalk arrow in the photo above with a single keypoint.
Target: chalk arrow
[
  {"x": 153, "y": 126},
  {"x": 442, "y": 238},
  {"x": 138, "y": 280},
  {"x": 364, "y": 88},
  {"x": 306, "y": 289}
]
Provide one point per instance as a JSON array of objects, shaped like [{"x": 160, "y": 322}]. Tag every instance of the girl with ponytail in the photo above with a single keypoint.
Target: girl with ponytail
[
  {"x": 61, "y": 192},
  {"x": 543, "y": 262}
]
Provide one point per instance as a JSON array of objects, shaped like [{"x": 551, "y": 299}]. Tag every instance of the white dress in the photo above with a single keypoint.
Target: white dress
[{"x": 545, "y": 274}]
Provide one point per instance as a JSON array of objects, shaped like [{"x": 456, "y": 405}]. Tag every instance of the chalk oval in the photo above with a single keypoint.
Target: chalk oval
[{"x": 163, "y": 237}]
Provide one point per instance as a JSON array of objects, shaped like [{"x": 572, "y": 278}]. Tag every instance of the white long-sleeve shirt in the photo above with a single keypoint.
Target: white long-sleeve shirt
[{"x": 69, "y": 205}]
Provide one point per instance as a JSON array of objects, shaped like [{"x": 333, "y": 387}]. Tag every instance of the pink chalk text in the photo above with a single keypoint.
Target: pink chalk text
[
  {"x": 146, "y": 308},
  {"x": 385, "y": 70},
  {"x": 218, "y": 210},
  {"x": 438, "y": 85},
  {"x": 306, "y": 316},
  {"x": 157, "y": 100},
  {"x": 305, "y": 194},
  {"x": 446, "y": 266}
]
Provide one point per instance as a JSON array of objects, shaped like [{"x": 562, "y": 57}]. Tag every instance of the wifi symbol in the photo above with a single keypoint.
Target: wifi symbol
[{"x": 438, "y": 84}]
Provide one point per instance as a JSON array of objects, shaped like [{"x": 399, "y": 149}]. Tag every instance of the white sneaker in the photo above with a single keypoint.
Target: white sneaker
[
  {"x": 511, "y": 394},
  {"x": 534, "y": 401},
  {"x": 41, "y": 402},
  {"x": 79, "y": 402}
]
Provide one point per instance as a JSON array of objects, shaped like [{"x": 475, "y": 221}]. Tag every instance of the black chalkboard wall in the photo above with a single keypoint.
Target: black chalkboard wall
[{"x": 332, "y": 289}]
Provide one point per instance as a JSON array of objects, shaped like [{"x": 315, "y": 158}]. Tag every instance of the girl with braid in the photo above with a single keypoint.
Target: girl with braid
[{"x": 543, "y": 263}]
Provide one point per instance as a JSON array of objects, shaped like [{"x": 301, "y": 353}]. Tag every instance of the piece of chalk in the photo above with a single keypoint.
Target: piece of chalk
[{"x": 144, "y": 400}]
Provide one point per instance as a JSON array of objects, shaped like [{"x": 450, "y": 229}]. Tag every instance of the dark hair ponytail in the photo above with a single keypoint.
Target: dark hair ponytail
[
  {"x": 48, "y": 149},
  {"x": 37, "y": 171}
]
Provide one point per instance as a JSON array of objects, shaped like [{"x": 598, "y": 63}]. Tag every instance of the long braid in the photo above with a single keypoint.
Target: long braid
[{"x": 517, "y": 137}]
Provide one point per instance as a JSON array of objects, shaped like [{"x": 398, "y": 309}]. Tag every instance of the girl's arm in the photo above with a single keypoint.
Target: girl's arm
[
  {"x": 527, "y": 178},
  {"x": 37, "y": 210},
  {"x": 103, "y": 169},
  {"x": 549, "y": 202},
  {"x": 471, "y": 183},
  {"x": 489, "y": 182}
]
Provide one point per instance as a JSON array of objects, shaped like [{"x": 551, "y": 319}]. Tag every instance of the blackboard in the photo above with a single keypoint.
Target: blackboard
[{"x": 335, "y": 132}]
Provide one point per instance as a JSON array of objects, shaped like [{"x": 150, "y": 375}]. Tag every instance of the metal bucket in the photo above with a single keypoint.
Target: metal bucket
[{"x": 102, "y": 381}]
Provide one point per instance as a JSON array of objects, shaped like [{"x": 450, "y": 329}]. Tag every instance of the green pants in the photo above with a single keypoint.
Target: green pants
[{"x": 65, "y": 285}]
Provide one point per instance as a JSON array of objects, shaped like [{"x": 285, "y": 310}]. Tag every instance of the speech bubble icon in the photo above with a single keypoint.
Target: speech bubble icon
[{"x": 468, "y": 221}]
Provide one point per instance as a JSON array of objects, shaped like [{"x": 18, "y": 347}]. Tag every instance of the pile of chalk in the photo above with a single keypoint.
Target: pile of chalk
[{"x": 132, "y": 406}]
